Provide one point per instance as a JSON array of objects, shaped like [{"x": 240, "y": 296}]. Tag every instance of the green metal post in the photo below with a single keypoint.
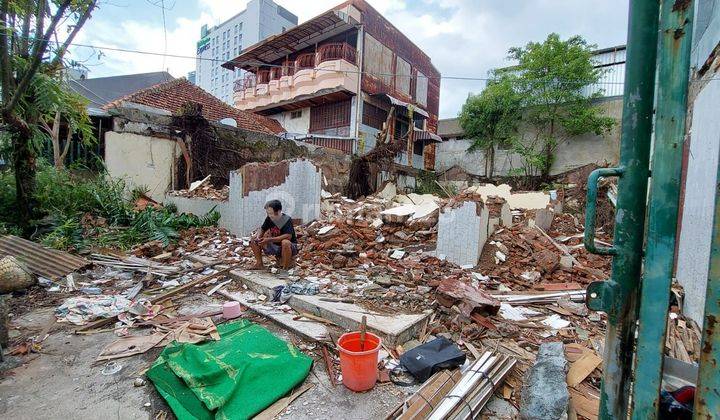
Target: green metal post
[
  {"x": 707, "y": 395},
  {"x": 672, "y": 93},
  {"x": 618, "y": 296}
]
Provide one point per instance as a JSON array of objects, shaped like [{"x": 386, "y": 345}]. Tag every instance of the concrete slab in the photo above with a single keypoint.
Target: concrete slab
[
  {"x": 394, "y": 329},
  {"x": 311, "y": 330}
]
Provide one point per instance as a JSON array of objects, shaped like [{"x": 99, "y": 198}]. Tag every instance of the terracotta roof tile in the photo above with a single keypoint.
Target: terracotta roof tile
[{"x": 173, "y": 94}]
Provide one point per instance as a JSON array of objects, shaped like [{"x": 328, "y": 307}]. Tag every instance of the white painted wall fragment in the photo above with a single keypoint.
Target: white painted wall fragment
[
  {"x": 242, "y": 214},
  {"x": 697, "y": 218}
]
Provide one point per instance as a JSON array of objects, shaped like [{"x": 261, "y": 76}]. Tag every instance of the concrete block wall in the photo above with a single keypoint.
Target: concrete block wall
[
  {"x": 573, "y": 153},
  {"x": 142, "y": 161},
  {"x": 462, "y": 232},
  {"x": 299, "y": 195},
  {"x": 242, "y": 214}
]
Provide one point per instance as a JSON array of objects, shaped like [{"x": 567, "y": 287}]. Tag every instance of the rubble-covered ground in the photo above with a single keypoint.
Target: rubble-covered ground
[{"x": 528, "y": 288}]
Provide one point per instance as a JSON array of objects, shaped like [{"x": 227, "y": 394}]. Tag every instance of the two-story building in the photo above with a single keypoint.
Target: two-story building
[{"x": 332, "y": 80}]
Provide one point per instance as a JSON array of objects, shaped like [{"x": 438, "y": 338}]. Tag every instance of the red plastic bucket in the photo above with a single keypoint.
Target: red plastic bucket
[{"x": 359, "y": 368}]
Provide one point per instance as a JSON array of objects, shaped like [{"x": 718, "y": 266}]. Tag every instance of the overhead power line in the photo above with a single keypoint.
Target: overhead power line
[
  {"x": 187, "y": 57},
  {"x": 460, "y": 78}
]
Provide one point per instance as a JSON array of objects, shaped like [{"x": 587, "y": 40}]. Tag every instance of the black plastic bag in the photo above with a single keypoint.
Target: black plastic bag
[{"x": 428, "y": 358}]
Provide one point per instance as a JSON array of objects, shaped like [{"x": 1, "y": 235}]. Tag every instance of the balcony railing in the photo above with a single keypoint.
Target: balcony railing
[
  {"x": 263, "y": 76},
  {"x": 288, "y": 68},
  {"x": 239, "y": 85},
  {"x": 326, "y": 52},
  {"x": 250, "y": 81},
  {"x": 305, "y": 61},
  {"x": 276, "y": 73},
  {"x": 336, "y": 51}
]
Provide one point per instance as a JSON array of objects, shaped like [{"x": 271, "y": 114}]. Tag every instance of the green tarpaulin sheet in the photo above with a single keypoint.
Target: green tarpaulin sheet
[{"x": 233, "y": 378}]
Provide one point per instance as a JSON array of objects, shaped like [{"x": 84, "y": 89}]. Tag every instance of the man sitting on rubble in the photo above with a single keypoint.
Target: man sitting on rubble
[{"x": 275, "y": 237}]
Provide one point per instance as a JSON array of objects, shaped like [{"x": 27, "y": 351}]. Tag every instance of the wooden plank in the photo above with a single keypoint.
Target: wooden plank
[
  {"x": 280, "y": 405},
  {"x": 584, "y": 404},
  {"x": 329, "y": 366},
  {"x": 574, "y": 351},
  {"x": 421, "y": 404},
  {"x": 581, "y": 368},
  {"x": 476, "y": 354}
]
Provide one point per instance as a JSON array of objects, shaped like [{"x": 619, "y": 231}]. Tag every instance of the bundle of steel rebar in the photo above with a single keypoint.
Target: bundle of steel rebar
[
  {"x": 573, "y": 295},
  {"x": 452, "y": 395},
  {"x": 468, "y": 397}
]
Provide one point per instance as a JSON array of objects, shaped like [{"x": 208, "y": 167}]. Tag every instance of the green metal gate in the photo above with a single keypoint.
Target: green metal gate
[{"x": 636, "y": 296}]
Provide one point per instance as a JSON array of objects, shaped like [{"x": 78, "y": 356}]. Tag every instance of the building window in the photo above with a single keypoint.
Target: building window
[
  {"x": 401, "y": 127},
  {"x": 283, "y": 29},
  {"x": 331, "y": 119},
  {"x": 421, "y": 89},
  {"x": 418, "y": 147},
  {"x": 295, "y": 114},
  {"x": 373, "y": 116}
]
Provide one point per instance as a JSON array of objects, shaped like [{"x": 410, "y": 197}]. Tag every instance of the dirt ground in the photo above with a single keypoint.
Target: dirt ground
[{"x": 64, "y": 382}]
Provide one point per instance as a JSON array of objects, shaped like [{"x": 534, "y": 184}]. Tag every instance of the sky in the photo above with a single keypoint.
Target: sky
[{"x": 464, "y": 38}]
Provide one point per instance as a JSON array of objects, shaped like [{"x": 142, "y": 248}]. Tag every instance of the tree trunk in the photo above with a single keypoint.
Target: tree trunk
[
  {"x": 548, "y": 151},
  {"x": 55, "y": 137},
  {"x": 24, "y": 162},
  {"x": 545, "y": 175}
]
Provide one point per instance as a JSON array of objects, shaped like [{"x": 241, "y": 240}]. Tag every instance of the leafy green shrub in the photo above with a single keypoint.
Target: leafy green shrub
[
  {"x": 163, "y": 225},
  {"x": 85, "y": 209},
  {"x": 426, "y": 183}
]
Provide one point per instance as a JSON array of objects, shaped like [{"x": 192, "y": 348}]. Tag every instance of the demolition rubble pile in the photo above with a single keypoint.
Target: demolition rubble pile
[
  {"x": 526, "y": 287},
  {"x": 204, "y": 189}
]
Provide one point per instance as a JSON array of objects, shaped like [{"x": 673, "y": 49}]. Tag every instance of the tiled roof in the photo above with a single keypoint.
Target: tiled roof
[
  {"x": 101, "y": 90},
  {"x": 171, "y": 95}
]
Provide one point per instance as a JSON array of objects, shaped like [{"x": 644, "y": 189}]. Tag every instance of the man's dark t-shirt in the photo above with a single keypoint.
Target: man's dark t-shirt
[{"x": 287, "y": 227}]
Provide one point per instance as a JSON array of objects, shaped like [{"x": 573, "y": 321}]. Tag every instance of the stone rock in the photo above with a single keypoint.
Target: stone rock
[
  {"x": 544, "y": 394},
  {"x": 423, "y": 289},
  {"x": 14, "y": 276},
  {"x": 383, "y": 280}
]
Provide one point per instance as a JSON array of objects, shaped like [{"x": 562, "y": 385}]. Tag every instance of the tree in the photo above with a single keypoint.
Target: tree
[
  {"x": 552, "y": 78},
  {"x": 490, "y": 119},
  {"x": 31, "y": 61},
  {"x": 69, "y": 109}
]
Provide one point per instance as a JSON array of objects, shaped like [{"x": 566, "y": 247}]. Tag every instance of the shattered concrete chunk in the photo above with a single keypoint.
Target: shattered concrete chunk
[{"x": 545, "y": 395}]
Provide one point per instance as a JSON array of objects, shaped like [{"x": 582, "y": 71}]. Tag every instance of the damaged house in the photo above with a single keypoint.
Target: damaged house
[
  {"x": 166, "y": 138},
  {"x": 332, "y": 81}
]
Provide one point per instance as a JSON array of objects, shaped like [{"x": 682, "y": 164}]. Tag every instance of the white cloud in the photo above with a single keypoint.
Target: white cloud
[{"x": 464, "y": 38}]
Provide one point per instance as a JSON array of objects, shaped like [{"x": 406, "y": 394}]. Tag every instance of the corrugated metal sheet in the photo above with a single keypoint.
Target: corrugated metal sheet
[{"x": 42, "y": 261}]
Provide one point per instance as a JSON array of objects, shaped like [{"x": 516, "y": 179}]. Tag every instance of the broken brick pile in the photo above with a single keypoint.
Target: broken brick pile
[
  {"x": 533, "y": 261},
  {"x": 204, "y": 191}
]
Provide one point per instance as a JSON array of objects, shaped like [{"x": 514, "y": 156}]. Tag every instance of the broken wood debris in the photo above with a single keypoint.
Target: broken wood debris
[{"x": 135, "y": 263}]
